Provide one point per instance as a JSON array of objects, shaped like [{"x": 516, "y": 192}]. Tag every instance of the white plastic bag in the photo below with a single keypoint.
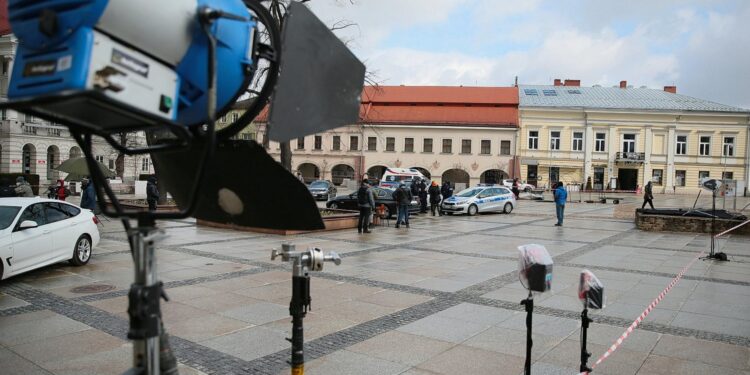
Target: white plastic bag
[
  {"x": 535, "y": 268},
  {"x": 591, "y": 291}
]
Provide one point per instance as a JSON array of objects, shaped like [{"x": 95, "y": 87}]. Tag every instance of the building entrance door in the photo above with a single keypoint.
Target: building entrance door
[
  {"x": 531, "y": 176},
  {"x": 627, "y": 178},
  {"x": 598, "y": 178}
]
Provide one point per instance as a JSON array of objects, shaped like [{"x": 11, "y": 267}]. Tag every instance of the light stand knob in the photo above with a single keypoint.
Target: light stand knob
[{"x": 333, "y": 257}]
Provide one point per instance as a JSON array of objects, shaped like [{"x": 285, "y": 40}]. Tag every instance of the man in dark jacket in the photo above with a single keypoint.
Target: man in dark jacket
[
  {"x": 422, "y": 187},
  {"x": 402, "y": 196},
  {"x": 152, "y": 193},
  {"x": 435, "y": 198},
  {"x": 23, "y": 189},
  {"x": 446, "y": 190},
  {"x": 648, "y": 196},
  {"x": 88, "y": 196},
  {"x": 366, "y": 202}
]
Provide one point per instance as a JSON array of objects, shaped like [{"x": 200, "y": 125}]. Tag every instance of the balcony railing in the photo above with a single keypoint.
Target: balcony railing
[{"x": 631, "y": 157}]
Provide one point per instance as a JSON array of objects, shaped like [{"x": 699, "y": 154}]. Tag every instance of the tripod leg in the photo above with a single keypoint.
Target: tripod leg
[
  {"x": 529, "y": 304},
  {"x": 584, "y": 352},
  {"x": 298, "y": 309}
]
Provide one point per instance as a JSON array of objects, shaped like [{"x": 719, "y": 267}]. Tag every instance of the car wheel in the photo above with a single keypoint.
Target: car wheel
[
  {"x": 334, "y": 206},
  {"x": 527, "y": 189},
  {"x": 472, "y": 210},
  {"x": 81, "y": 251},
  {"x": 508, "y": 208}
]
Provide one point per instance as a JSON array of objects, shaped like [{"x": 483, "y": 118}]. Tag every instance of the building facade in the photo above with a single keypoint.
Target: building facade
[
  {"x": 622, "y": 137},
  {"x": 463, "y": 135}
]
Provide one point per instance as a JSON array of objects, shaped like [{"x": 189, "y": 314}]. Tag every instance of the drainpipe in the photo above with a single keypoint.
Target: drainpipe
[{"x": 747, "y": 157}]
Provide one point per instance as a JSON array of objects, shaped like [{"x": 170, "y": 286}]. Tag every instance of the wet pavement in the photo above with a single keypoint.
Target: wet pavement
[{"x": 439, "y": 298}]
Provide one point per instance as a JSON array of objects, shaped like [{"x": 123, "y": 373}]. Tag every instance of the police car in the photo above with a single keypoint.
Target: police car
[{"x": 480, "y": 199}]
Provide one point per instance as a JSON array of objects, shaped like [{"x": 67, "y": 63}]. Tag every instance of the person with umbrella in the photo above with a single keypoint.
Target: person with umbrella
[{"x": 88, "y": 196}]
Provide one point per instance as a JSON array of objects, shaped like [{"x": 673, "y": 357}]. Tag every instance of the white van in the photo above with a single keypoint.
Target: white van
[{"x": 395, "y": 176}]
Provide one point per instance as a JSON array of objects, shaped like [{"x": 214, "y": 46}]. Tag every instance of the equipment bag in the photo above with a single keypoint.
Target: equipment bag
[{"x": 362, "y": 196}]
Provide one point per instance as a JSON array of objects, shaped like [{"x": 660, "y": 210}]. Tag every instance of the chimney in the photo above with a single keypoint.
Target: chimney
[
  {"x": 573, "y": 82},
  {"x": 623, "y": 84},
  {"x": 558, "y": 82},
  {"x": 672, "y": 89}
]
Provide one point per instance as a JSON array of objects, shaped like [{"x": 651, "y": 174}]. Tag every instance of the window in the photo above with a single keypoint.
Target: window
[
  {"x": 249, "y": 136},
  {"x": 4, "y": 115},
  {"x": 466, "y": 146},
  {"x": 390, "y": 144},
  {"x": 111, "y": 164},
  {"x": 504, "y": 147},
  {"x": 703, "y": 174},
  {"x": 35, "y": 212},
  {"x": 408, "y": 144},
  {"x": 99, "y": 158},
  {"x": 600, "y": 144},
  {"x": 447, "y": 146},
  {"x": 681, "y": 145},
  {"x": 235, "y": 116},
  {"x": 679, "y": 179},
  {"x": 301, "y": 143},
  {"x": 574, "y": 91},
  {"x": 336, "y": 142},
  {"x": 28, "y": 118},
  {"x": 427, "y": 145},
  {"x": 628, "y": 143},
  {"x": 55, "y": 212},
  {"x": 533, "y": 140},
  {"x": 554, "y": 140},
  {"x": 656, "y": 175},
  {"x": 353, "y": 143},
  {"x": 145, "y": 163},
  {"x": 530, "y": 92},
  {"x": 578, "y": 141},
  {"x": 727, "y": 175},
  {"x": 372, "y": 143},
  {"x": 728, "y": 146},
  {"x": 485, "y": 147},
  {"x": 549, "y": 92},
  {"x": 318, "y": 142},
  {"x": 704, "y": 146},
  {"x": 70, "y": 210}
]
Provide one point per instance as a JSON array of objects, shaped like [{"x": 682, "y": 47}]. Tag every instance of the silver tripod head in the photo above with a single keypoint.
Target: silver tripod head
[{"x": 305, "y": 261}]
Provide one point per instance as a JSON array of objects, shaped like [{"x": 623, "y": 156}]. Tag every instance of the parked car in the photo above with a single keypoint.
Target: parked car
[
  {"x": 480, "y": 199},
  {"x": 522, "y": 186},
  {"x": 322, "y": 189},
  {"x": 382, "y": 196},
  {"x": 37, "y": 232}
]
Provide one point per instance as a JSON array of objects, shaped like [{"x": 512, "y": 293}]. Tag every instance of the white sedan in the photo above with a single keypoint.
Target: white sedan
[
  {"x": 522, "y": 185},
  {"x": 480, "y": 199},
  {"x": 37, "y": 232}
]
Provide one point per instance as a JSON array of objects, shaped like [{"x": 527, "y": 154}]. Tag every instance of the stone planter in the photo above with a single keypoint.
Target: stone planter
[
  {"x": 141, "y": 205},
  {"x": 333, "y": 219},
  {"x": 670, "y": 223}
]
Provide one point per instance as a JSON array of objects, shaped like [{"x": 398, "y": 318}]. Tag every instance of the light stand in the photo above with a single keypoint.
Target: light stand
[
  {"x": 304, "y": 261},
  {"x": 713, "y": 255},
  {"x": 529, "y": 304},
  {"x": 585, "y": 320}
]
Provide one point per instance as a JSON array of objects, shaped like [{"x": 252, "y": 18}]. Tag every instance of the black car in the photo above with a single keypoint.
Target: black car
[
  {"x": 322, "y": 189},
  {"x": 382, "y": 196}
]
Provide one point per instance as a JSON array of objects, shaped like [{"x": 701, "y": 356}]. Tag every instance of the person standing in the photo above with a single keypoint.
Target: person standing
[
  {"x": 152, "y": 193},
  {"x": 446, "y": 190},
  {"x": 422, "y": 196},
  {"x": 560, "y": 197},
  {"x": 366, "y": 202},
  {"x": 88, "y": 196},
  {"x": 648, "y": 196},
  {"x": 402, "y": 196},
  {"x": 23, "y": 189},
  {"x": 515, "y": 188},
  {"x": 300, "y": 178},
  {"x": 62, "y": 191},
  {"x": 435, "y": 198}
]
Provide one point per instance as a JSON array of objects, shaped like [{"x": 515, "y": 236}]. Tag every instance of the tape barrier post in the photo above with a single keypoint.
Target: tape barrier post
[{"x": 643, "y": 315}]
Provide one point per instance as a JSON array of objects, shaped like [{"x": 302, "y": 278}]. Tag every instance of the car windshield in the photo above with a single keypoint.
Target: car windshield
[
  {"x": 319, "y": 184},
  {"x": 469, "y": 192},
  {"x": 7, "y": 215}
]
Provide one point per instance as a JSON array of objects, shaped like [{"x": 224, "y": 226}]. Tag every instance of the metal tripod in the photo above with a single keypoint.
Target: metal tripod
[
  {"x": 585, "y": 320},
  {"x": 529, "y": 304}
]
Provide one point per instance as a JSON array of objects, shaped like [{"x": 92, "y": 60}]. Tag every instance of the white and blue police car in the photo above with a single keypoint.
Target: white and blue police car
[{"x": 480, "y": 199}]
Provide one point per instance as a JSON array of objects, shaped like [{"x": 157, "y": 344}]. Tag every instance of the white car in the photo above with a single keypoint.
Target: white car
[
  {"x": 480, "y": 199},
  {"x": 522, "y": 186},
  {"x": 37, "y": 232}
]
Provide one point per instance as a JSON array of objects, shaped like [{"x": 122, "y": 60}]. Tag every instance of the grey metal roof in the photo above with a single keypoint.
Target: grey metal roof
[{"x": 615, "y": 98}]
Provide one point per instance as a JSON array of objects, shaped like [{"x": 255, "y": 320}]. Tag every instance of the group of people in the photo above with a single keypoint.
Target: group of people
[
  {"x": 403, "y": 197},
  {"x": 59, "y": 191}
]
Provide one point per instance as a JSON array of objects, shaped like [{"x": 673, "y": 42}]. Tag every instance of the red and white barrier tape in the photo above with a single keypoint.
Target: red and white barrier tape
[{"x": 643, "y": 315}]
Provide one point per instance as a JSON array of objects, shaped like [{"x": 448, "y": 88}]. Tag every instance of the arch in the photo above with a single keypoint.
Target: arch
[
  {"x": 310, "y": 172},
  {"x": 423, "y": 171},
  {"x": 53, "y": 160},
  {"x": 493, "y": 176},
  {"x": 341, "y": 171},
  {"x": 456, "y": 176},
  {"x": 75, "y": 152},
  {"x": 376, "y": 171},
  {"x": 29, "y": 159}
]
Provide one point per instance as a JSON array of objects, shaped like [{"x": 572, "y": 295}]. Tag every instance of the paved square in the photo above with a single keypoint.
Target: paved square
[{"x": 439, "y": 298}]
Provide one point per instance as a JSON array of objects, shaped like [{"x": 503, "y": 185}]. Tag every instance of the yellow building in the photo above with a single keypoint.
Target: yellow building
[{"x": 622, "y": 137}]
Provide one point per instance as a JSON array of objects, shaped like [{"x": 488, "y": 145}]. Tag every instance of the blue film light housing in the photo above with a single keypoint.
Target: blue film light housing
[{"x": 118, "y": 65}]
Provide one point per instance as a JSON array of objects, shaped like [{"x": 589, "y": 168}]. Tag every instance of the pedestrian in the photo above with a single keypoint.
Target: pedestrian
[
  {"x": 560, "y": 197},
  {"x": 62, "y": 191},
  {"x": 152, "y": 193},
  {"x": 515, "y": 189},
  {"x": 414, "y": 188},
  {"x": 435, "y": 198},
  {"x": 300, "y": 178},
  {"x": 402, "y": 196},
  {"x": 23, "y": 189},
  {"x": 648, "y": 196},
  {"x": 88, "y": 196},
  {"x": 422, "y": 196},
  {"x": 366, "y": 202},
  {"x": 51, "y": 191},
  {"x": 446, "y": 190}
]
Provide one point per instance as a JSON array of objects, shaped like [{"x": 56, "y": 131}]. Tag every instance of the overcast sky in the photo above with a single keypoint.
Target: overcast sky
[{"x": 701, "y": 46}]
